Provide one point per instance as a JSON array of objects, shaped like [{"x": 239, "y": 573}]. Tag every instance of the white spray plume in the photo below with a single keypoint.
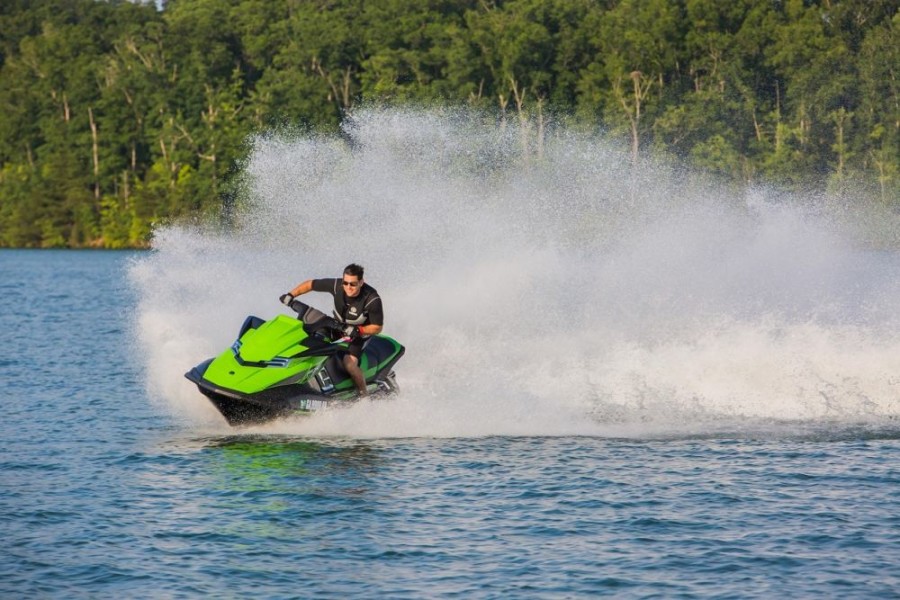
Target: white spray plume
[{"x": 554, "y": 292}]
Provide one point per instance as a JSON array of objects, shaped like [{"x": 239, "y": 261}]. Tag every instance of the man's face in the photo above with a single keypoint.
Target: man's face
[{"x": 352, "y": 284}]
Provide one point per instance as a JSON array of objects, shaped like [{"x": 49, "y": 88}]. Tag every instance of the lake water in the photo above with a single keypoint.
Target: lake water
[
  {"x": 620, "y": 380},
  {"x": 106, "y": 491}
]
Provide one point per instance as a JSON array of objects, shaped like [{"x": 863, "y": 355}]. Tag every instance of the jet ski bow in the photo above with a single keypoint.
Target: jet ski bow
[{"x": 286, "y": 367}]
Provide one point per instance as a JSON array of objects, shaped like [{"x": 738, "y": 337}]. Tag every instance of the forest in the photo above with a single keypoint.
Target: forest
[{"x": 118, "y": 115}]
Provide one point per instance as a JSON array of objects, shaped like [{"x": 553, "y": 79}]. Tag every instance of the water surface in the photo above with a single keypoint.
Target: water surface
[{"x": 107, "y": 493}]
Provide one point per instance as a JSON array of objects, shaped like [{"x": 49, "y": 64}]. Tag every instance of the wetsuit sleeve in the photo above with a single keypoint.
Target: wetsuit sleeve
[
  {"x": 375, "y": 311},
  {"x": 325, "y": 285}
]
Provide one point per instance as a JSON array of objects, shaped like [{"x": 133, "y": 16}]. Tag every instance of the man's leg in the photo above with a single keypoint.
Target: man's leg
[{"x": 351, "y": 365}]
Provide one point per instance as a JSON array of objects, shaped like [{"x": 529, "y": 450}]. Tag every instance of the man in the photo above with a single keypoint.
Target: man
[{"x": 357, "y": 305}]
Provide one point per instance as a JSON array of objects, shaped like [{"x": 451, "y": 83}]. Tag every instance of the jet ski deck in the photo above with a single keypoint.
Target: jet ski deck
[{"x": 286, "y": 367}]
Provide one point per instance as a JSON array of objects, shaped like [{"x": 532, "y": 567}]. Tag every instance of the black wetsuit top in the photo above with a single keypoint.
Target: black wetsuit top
[{"x": 363, "y": 309}]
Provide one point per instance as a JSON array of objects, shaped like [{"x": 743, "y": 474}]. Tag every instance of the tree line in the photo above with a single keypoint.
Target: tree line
[{"x": 115, "y": 115}]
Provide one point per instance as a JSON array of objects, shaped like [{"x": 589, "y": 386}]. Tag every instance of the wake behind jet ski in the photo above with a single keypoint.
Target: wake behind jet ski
[{"x": 285, "y": 366}]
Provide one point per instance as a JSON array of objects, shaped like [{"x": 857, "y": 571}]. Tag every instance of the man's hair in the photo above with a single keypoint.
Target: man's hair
[{"x": 354, "y": 270}]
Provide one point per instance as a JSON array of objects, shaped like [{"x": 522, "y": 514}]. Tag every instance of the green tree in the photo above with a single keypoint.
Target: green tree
[
  {"x": 314, "y": 77},
  {"x": 814, "y": 68},
  {"x": 117, "y": 115},
  {"x": 406, "y": 52},
  {"x": 636, "y": 48},
  {"x": 878, "y": 114}
]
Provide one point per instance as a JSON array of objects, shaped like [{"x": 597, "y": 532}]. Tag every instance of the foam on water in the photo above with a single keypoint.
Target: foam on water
[{"x": 550, "y": 292}]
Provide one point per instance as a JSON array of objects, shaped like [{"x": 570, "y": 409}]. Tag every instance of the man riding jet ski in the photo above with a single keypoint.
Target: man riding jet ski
[
  {"x": 356, "y": 305},
  {"x": 287, "y": 366}
]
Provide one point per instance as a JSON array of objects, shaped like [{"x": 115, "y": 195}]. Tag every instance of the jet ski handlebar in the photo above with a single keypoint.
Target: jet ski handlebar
[
  {"x": 299, "y": 307},
  {"x": 314, "y": 317}
]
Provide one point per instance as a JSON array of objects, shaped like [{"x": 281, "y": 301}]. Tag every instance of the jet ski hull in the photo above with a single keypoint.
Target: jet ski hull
[
  {"x": 242, "y": 410},
  {"x": 316, "y": 381}
]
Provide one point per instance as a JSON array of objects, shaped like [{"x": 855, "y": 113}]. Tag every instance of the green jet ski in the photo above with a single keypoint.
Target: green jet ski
[{"x": 286, "y": 366}]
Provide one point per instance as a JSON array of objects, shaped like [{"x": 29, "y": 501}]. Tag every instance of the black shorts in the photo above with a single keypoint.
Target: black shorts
[{"x": 355, "y": 348}]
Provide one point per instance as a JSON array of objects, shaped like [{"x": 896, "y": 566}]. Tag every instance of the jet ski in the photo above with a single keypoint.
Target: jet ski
[{"x": 292, "y": 366}]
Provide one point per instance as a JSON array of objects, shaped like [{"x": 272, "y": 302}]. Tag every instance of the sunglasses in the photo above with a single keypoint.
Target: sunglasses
[{"x": 352, "y": 284}]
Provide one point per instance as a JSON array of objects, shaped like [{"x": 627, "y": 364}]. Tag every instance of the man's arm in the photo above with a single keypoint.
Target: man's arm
[
  {"x": 376, "y": 317},
  {"x": 302, "y": 288}
]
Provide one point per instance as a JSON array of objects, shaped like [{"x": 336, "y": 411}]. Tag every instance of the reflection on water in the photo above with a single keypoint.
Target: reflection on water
[
  {"x": 261, "y": 467},
  {"x": 265, "y": 463},
  {"x": 236, "y": 490}
]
